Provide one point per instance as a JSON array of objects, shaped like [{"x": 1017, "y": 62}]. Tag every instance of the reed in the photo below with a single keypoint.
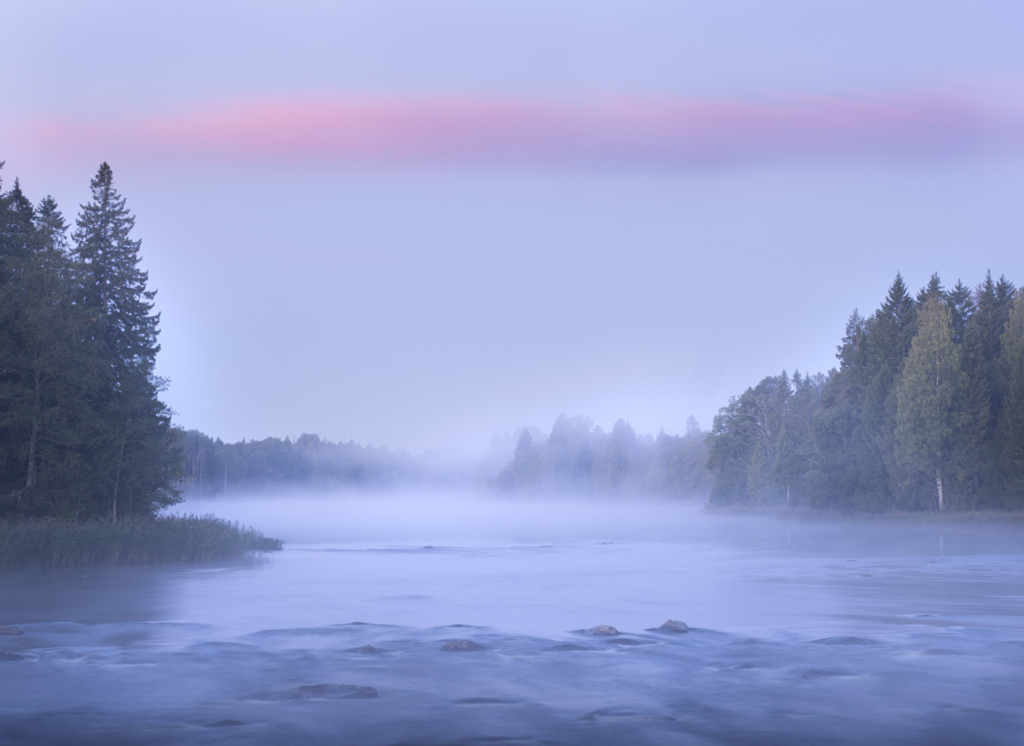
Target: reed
[{"x": 61, "y": 543}]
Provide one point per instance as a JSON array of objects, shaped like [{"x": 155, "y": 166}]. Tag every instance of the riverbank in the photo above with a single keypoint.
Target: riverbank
[
  {"x": 59, "y": 543},
  {"x": 1005, "y": 517}
]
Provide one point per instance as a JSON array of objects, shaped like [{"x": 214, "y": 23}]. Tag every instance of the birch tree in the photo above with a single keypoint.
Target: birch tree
[{"x": 926, "y": 392}]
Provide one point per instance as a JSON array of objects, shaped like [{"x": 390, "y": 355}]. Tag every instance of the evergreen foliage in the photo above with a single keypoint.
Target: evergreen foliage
[
  {"x": 927, "y": 401},
  {"x": 83, "y": 432}
]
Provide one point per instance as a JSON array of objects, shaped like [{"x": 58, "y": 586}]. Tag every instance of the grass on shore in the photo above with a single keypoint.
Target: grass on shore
[{"x": 50, "y": 542}]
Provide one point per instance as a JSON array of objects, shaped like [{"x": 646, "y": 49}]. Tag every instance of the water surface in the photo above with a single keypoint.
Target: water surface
[{"x": 801, "y": 633}]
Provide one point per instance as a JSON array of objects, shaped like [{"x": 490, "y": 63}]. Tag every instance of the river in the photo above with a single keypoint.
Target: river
[{"x": 801, "y": 632}]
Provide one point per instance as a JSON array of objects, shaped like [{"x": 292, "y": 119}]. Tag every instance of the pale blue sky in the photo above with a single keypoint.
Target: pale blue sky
[{"x": 418, "y": 306}]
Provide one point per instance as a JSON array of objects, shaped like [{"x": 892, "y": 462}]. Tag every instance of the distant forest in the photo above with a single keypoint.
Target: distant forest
[
  {"x": 925, "y": 412},
  {"x": 213, "y": 467},
  {"x": 576, "y": 457},
  {"x": 83, "y": 432},
  {"x": 580, "y": 458}
]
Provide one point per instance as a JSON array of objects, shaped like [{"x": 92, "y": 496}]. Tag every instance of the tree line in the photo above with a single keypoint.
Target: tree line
[
  {"x": 578, "y": 457},
  {"x": 214, "y": 468},
  {"x": 924, "y": 412},
  {"x": 83, "y": 432}
]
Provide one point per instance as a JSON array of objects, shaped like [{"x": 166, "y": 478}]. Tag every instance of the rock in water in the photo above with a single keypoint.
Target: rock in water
[
  {"x": 673, "y": 626},
  {"x": 11, "y": 657},
  {"x": 602, "y": 630},
  {"x": 224, "y": 724},
  {"x": 336, "y": 691},
  {"x": 10, "y": 631},
  {"x": 367, "y": 649},
  {"x": 465, "y": 646}
]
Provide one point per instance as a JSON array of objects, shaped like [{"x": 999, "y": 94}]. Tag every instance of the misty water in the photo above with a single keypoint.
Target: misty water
[{"x": 801, "y": 632}]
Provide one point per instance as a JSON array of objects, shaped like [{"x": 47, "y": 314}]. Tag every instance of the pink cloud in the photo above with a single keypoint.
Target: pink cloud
[{"x": 654, "y": 132}]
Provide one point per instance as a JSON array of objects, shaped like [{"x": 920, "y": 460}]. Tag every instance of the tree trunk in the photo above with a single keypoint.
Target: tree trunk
[
  {"x": 120, "y": 460},
  {"x": 30, "y": 479},
  {"x": 938, "y": 486}
]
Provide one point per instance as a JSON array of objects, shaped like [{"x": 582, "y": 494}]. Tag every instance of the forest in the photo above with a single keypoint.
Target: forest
[
  {"x": 83, "y": 431},
  {"x": 924, "y": 412}
]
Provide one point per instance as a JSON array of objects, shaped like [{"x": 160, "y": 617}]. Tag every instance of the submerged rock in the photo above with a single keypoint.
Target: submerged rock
[
  {"x": 567, "y": 647},
  {"x": 844, "y": 641},
  {"x": 462, "y": 646},
  {"x": 367, "y": 649},
  {"x": 335, "y": 691},
  {"x": 11, "y": 657},
  {"x": 602, "y": 630},
  {"x": 673, "y": 626},
  {"x": 10, "y": 630},
  {"x": 224, "y": 724},
  {"x": 625, "y": 641}
]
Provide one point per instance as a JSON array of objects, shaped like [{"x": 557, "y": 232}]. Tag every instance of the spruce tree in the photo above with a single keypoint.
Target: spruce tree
[
  {"x": 895, "y": 325},
  {"x": 926, "y": 393},
  {"x": 17, "y": 231},
  {"x": 1009, "y": 434},
  {"x": 932, "y": 290},
  {"x": 114, "y": 286},
  {"x": 961, "y": 306},
  {"x": 1010, "y": 438},
  {"x": 133, "y": 454}
]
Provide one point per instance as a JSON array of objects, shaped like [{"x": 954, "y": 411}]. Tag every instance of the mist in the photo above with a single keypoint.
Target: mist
[{"x": 578, "y": 372}]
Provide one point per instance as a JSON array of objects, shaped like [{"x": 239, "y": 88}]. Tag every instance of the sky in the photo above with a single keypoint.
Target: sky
[{"x": 417, "y": 224}]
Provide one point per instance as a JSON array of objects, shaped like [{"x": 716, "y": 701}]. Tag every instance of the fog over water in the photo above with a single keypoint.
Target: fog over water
[{"x": 801, "y": 632}]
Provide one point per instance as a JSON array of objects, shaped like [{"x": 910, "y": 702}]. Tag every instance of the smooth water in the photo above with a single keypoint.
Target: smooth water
[{"x": 802, "y": 633}]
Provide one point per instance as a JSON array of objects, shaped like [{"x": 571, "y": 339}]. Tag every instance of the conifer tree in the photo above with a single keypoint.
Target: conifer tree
[
  {"x": 16, "y": 228},
  {"x": 926, "y": 393},
  {"x": 895, "y": 325},
  {"x": 114, "y": 287},
  {"x": 1009, "y": 435},
  {"x": 1010, "y": 441},
  {"x": 961, "y": 306},
  {"x": 932, "y": 290},
  {"x": 134, "y": 453}
]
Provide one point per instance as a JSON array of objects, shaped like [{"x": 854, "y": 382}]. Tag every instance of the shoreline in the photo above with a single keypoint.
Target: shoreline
[
  {"x": 52, "y": 542},
  {"x": 999, "y": 517}
]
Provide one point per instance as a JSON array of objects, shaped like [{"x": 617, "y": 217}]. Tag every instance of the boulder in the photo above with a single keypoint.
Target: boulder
[
  {"x": 367, "y": 649},
  {"x": 335, "y": 691},
  {"x": 11, "y": 657},
  {"x": 673, "y": 626},
  {"x": 602, "y": 630},
  {"x": 462, "y": 646},
  {"x": 10, "y": 631}
]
